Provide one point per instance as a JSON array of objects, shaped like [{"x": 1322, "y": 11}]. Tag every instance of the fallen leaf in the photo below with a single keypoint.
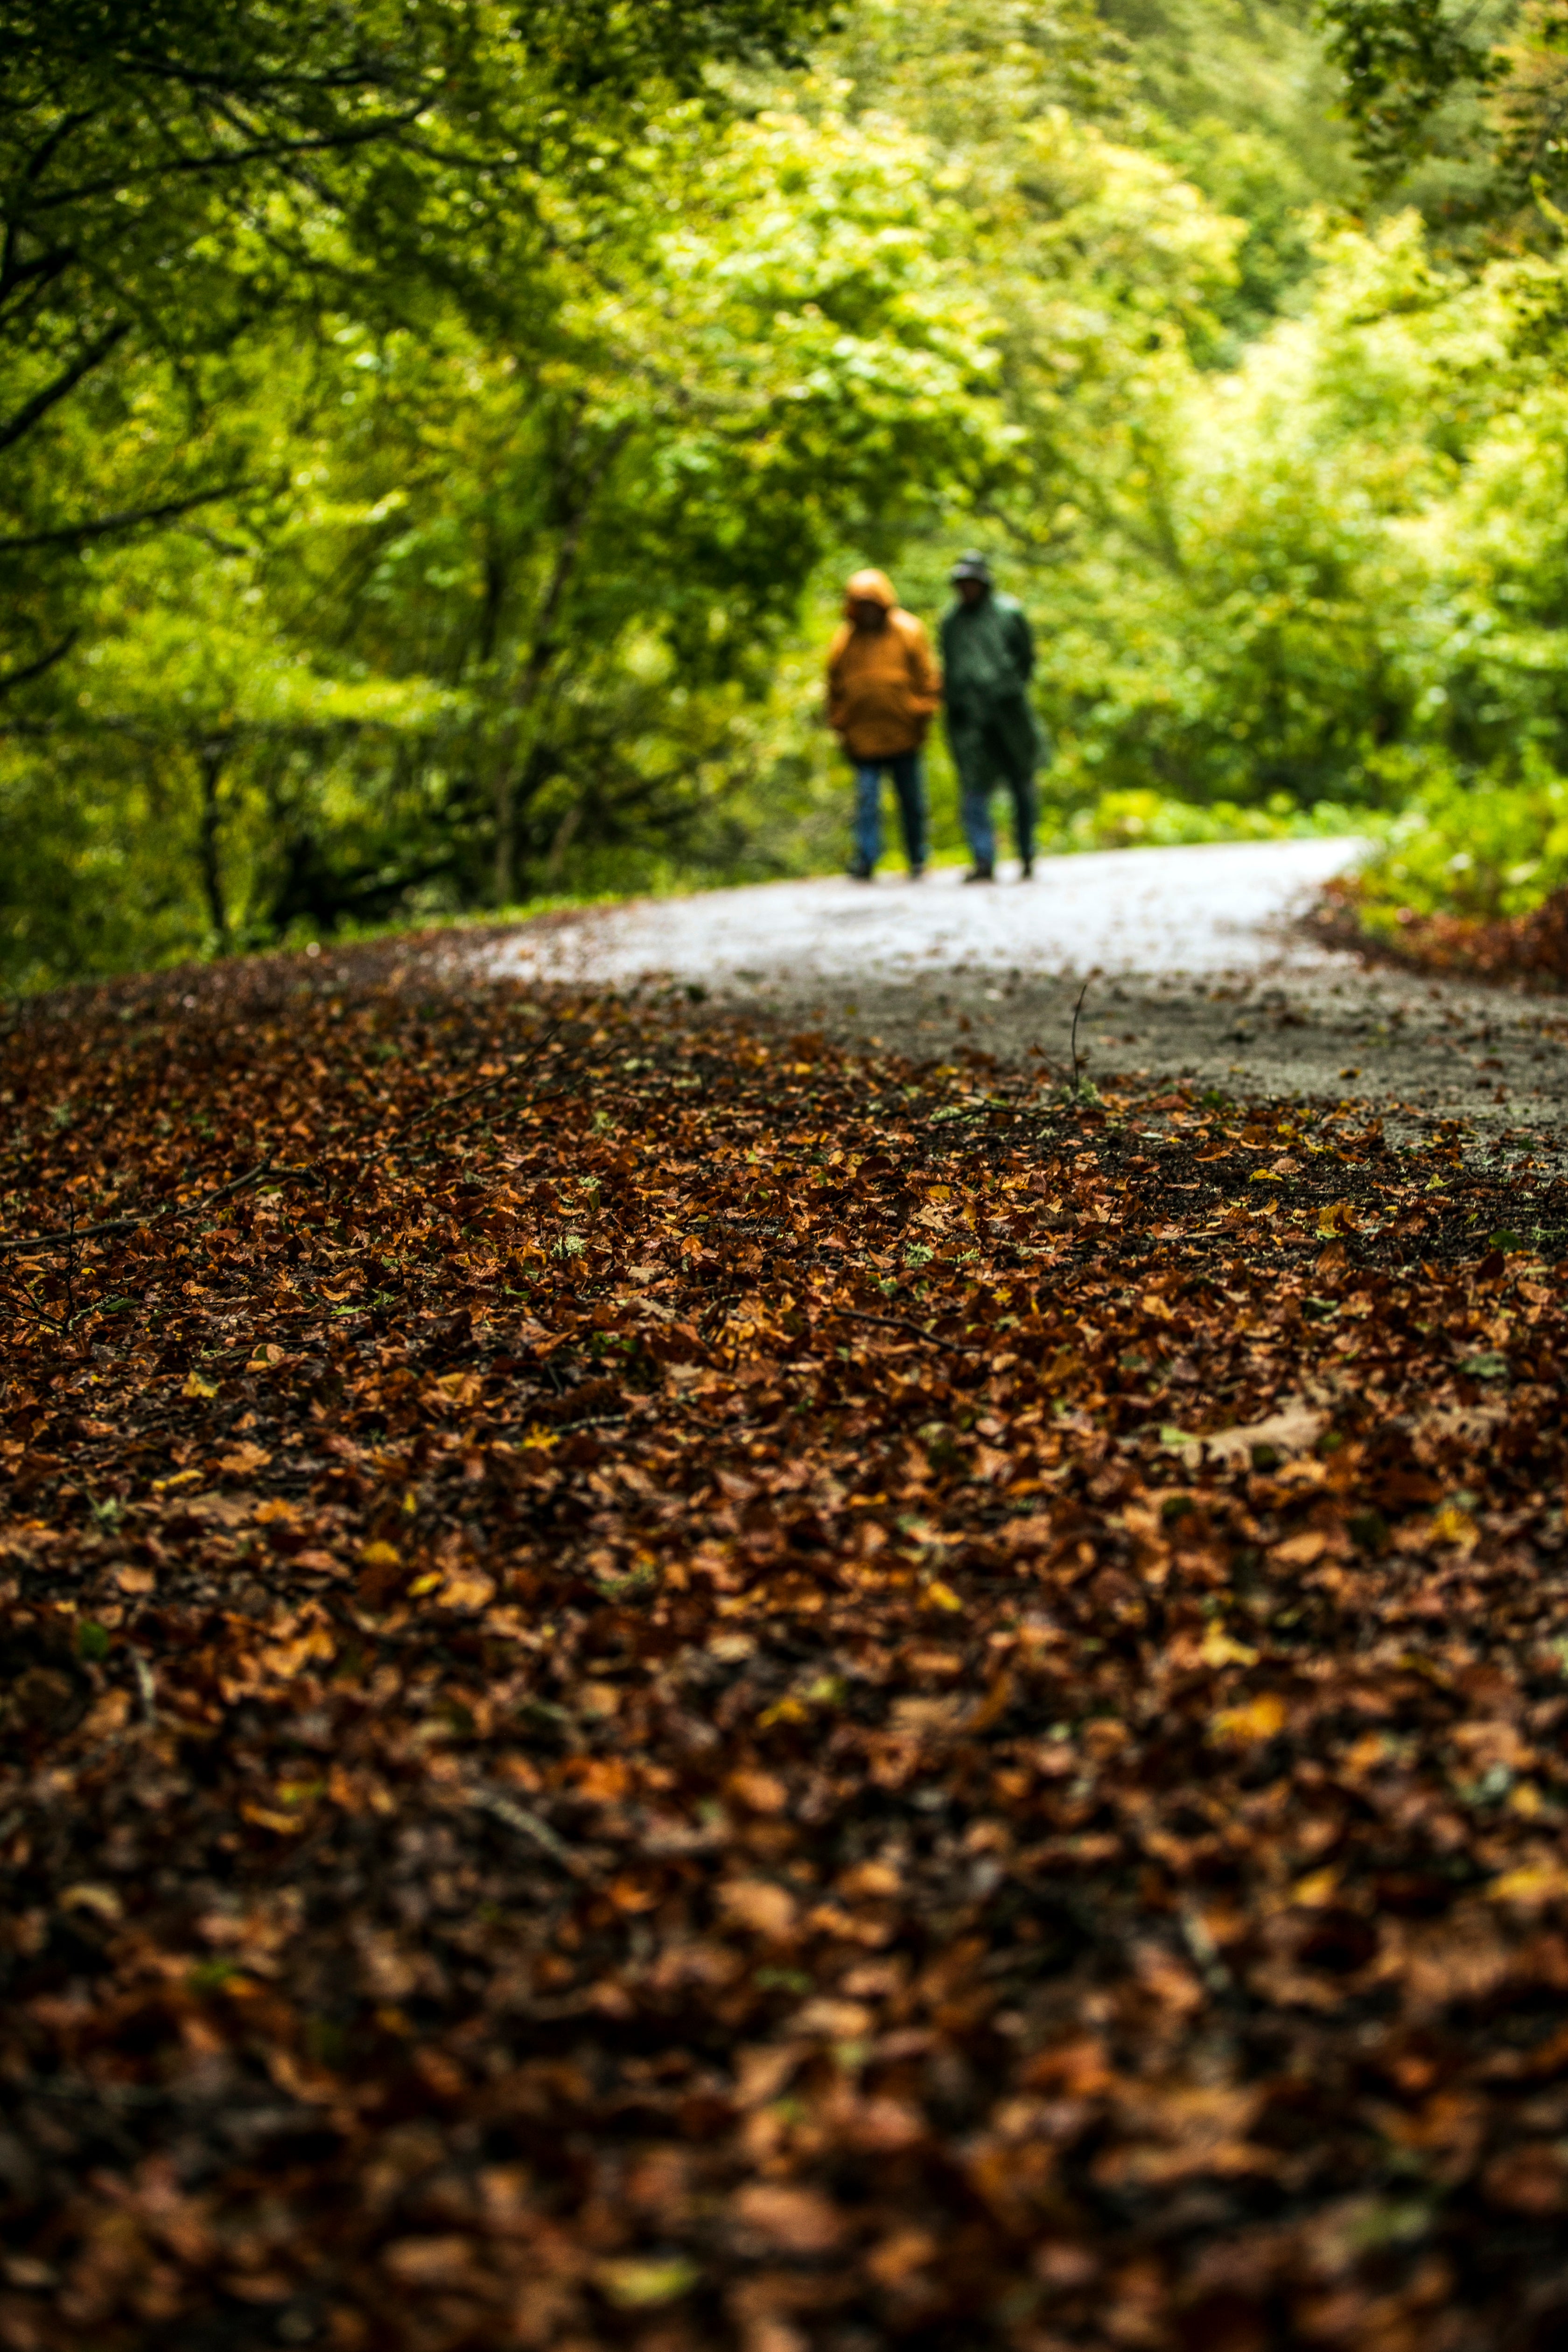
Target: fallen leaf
[
  {"x": 792, "y": 2221},
  {"x": 1261, "y": 1718},
  {"x": 756, "y": 1904},
  {"x": 633, "y": 2285},
  {"x": 244, "y": 1461},
  {"x": 101, "y": 1901}
]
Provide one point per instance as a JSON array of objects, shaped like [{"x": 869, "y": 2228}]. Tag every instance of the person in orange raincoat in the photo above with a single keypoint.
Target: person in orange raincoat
[{"x": 883, "y": 690}]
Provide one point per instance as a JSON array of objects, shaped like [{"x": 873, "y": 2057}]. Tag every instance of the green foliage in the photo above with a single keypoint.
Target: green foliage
[
  {"x": 431, "y": 441},
  {"x": 515, "y": 583},
  {"x": 1457, "y": 106},
  {"x": 1147, "y": 820},
  {"x": 1476, "y": 849},
  {"x": 1239, "y": 96},
  {"x": 181, "y": 181},
  {"x": 1321, "y": 576},
  {"x": 1401, "y": 59}
]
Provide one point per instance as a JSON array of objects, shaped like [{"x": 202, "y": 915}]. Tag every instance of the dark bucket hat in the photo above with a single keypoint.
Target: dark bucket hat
[{"x": 972, "y": 565}]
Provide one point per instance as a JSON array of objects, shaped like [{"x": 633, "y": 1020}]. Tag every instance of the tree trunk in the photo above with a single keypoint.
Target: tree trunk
[
  {"x": 211, "y": 759},
  {"x": 541, "y": 653},
  {"x": 561, "y": 843}
]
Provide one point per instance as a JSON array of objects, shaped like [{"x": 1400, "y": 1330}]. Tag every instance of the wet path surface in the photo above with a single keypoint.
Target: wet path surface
[{"x": 1200, "y": 972}]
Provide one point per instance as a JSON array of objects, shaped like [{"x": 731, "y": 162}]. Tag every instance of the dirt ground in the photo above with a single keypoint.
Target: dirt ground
[{"x": 1199, "y": 968}]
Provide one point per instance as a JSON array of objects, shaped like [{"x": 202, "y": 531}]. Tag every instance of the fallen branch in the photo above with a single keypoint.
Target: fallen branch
[
  {"x": 42, "y": 1244},
  {"x": 483, "y": 1085}
]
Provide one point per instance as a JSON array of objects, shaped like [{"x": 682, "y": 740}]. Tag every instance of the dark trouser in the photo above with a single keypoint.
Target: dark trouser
[
  {"x": 908, "y": 783},
  {"x": 999, "y": 745}
]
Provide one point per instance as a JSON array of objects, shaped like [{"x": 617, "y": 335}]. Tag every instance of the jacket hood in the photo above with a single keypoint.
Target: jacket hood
[{"x": 873, "y": 587}]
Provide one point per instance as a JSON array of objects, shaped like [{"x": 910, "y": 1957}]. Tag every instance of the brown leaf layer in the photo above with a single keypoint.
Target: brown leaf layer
[{"x": 674, "y": 1690}]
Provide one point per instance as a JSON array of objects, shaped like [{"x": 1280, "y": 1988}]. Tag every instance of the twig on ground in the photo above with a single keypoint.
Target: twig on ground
[
  {"x": 146, "y": 1688},
  {"x": 995, "y": 1110},
  {"x": 1077, "y": 1008},
  {"x": 438, "y": 1111},
  {"x": 528, "y": 1825},
  {"x": 41, "y": 1244},
  {"x": 30, "y": 1311},
  {"x": 716, "y": 1306},
  {"x": 487, "y": 1085},
  {"x": 899, "y": 1323},
  {"x": 26, "y": 1244}
]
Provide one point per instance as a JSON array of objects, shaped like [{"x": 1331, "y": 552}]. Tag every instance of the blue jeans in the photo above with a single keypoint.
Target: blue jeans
[
  {"x": 999, "y": 744},
  {"x": 979, "y": 831},
  {"x": 909, "y": 783}
]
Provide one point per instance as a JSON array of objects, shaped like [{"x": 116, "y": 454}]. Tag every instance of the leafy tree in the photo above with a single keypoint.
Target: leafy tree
[
  {"x": 1460, "y": 109},
  {"x": 527, "y": 583},
  {"x": 176, "y": 178},
  {"x": 1402, "y": 60}
]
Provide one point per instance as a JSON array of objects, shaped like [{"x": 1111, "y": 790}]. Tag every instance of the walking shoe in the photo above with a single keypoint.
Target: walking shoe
[
  {"x": 860, "y": 871},
  {"x": 980, "y": 874},
  {"x": 1029, "y": 870},
  {"x": 917, "y": 873}
]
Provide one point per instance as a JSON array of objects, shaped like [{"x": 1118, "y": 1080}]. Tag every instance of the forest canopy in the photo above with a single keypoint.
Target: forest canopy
[{"x": 431, "y": 436}]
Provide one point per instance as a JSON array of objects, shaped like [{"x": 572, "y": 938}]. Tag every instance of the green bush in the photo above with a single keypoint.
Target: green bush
[
  {"x": 1472, "y": 846},
  {"x": 1144, "y": 819}
]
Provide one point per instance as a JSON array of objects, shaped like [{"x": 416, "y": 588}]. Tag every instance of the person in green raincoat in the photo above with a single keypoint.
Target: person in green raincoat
[{"x": 988, "y": 657}]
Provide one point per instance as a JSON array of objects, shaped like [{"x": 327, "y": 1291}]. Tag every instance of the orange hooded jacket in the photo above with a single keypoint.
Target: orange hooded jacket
[{"x": 883, "y": 685}]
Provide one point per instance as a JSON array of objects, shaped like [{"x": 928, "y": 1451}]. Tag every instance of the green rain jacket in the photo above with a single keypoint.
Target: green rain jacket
[
  {"x": 987, "y": 659},
  {"x": 987, "y": 653}
]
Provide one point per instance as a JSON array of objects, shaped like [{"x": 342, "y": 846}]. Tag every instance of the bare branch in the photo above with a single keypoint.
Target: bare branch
[
  {"x": 63, "y": 386},
  {"x": 900, "y": 1323},
  {"x": 31, "y": 670},
  {"x": 75, "y": 535},
  {"x": 229, "y": 159},
  {"x": 35, "y": 275}
]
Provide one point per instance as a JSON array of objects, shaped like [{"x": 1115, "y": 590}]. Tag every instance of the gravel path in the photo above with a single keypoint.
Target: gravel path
[{"x": 1201, "y": 971}]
